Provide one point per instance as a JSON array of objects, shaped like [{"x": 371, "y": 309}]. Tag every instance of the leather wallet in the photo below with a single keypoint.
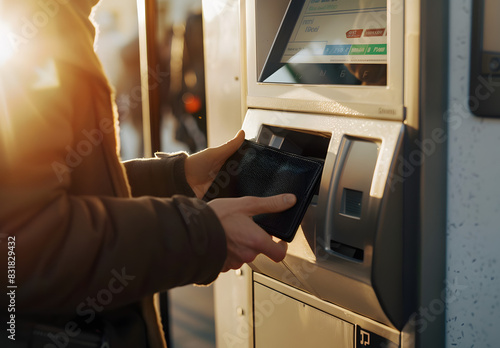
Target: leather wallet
[{"x": 262, "y": 171}]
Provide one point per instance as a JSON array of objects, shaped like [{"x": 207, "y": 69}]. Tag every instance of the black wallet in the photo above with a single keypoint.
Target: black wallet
[{"x": 262, "y": 171}]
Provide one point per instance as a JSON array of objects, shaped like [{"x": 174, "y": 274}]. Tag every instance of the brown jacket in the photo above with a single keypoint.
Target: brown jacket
[{"x": 84, "y": 249}]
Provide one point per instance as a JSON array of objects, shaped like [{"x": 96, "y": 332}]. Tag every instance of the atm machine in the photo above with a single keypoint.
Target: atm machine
[{"x": 339, "y": 80}]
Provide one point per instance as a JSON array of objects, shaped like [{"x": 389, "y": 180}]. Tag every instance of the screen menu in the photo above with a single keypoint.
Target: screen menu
[{"x": 330, "y": 42}]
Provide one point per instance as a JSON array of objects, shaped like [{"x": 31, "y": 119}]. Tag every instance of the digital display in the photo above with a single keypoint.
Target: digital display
[
  {"x": 491, "y": 41},
  {"x": 491, "y": 26},
  {"x": 330, "y": 42},
  {"x": 484, "y": 100}
]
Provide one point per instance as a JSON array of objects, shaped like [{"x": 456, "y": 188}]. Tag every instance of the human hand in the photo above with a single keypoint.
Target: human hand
[
  {"x": 245, "y": 239},
  {"x": 202, "y": 167}
]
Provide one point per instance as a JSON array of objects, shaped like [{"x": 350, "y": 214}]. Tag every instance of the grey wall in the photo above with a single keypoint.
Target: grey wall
[{"x": 473, "y": 231}]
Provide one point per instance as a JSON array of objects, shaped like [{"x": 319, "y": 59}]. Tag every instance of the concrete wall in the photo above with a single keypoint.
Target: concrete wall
[{"x": 473, "y": 231}]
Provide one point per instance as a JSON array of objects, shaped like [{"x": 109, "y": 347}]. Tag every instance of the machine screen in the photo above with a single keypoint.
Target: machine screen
[{"x": 330, "y": 42}]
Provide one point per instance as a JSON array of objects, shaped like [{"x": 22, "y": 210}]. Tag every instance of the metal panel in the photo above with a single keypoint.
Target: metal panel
[
  {"x": 432, "y": 169},
  {"x": 225, "y": 102},
  {"x": 222, "y": 43},
  {"x": 233, "y": 309},
  {"x": 391, "y": 336},
  {"x": 314, "y": 267},
  {"x": 281, "y": 321}
]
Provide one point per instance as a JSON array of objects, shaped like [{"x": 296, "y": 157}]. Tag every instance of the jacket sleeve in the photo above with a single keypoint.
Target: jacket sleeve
[
  {"x": 72, "y": 251},
  {"x": 161, "y": 176}
]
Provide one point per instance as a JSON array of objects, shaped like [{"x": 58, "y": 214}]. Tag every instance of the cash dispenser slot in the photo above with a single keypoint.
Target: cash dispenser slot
[
  {"x": 300, "y": 142},
  {"x": 354, "y": 212}
]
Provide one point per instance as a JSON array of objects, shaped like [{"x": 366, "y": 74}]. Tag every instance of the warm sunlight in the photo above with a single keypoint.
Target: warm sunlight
[{"x": 6, "y": 48}]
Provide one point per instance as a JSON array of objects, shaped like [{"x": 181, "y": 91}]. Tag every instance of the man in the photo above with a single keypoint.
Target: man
[{"x": 86, "y": 240}]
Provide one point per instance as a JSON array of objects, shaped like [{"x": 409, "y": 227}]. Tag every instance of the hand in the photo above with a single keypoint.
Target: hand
[
  {"x": 245, "y": 239},
  {"x": 202, "y": 167}
]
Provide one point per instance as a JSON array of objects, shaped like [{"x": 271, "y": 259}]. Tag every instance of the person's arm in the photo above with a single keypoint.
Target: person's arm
[
  {"x": 169, "y": 174},
  {"x": 161, "y": 176},
  {"x": 76, "y": 247},
  {"x": 71, "y": 248}
]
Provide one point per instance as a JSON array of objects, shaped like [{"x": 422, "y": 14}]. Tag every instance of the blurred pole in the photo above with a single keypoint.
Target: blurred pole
[
  {"x": 146, "y": 10},
  {"x": 150, "y": 91}
]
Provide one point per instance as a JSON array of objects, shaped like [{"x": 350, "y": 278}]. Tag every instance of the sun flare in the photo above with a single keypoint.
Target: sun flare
[{"x": 6, "y": 47}]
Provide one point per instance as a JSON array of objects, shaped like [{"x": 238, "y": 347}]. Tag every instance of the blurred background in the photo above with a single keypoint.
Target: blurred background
[
  {"x": 176, "y": 74},
  {"x": 178, "y": 116}
]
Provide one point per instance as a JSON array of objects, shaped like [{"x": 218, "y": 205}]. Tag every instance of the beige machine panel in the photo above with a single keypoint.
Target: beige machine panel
[
  {"x": 319, "y": 296},
  {"x": 287, "y": 317},
  {"x": 263, "y": 18},
  {"x": 310, "y": 327}
]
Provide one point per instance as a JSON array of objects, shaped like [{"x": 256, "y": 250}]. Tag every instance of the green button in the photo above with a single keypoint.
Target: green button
[
  {"x": 377, "y": 49},
  {"x": 358, "y": 50}
]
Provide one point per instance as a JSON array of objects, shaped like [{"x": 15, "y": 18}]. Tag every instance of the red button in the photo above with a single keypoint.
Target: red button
[
  {"x": 375, "y": 32},
  {"x": 354, "y": 33}
]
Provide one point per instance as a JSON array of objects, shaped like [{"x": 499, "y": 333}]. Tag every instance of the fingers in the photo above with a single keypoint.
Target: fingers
[
  {"x": 203, "y": 166},
  {"x": 272, "y": 204},
  {"x": 276, "y": 255},
  {"x": 263, "y": 244},
  {"x": 237, "y": 140},
  {"x": 251, "y": 206},
  {"x": 223, "y": 151},
  {"x": 245, "y": 239},
  {"x": 231, "y": 264},
  {"x": 275, "y": 251}
]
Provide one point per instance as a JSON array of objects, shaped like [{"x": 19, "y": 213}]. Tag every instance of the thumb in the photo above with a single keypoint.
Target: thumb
[
  {"x": 272, "y": 204},
  {"x": 225, "y": 150}
]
